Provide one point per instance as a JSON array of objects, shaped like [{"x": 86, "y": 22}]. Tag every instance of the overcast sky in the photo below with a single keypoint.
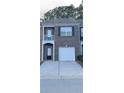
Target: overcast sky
[{"x": 46, "y": 5}]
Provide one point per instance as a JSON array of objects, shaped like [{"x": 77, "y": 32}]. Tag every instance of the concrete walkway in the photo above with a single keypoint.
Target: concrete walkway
[{"x": 61, "y": 70}]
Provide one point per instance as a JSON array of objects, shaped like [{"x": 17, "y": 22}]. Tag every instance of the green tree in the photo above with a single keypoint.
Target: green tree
[
  {"x": 79, "y": 11},
  {"x": 65, "y": 12}
]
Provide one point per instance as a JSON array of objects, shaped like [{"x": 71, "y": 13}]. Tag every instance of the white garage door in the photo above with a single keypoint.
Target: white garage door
[{"x": 67, "y": 54}]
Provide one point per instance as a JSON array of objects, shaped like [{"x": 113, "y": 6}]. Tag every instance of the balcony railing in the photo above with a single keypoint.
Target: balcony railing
[{"x": 48, "y": 38}]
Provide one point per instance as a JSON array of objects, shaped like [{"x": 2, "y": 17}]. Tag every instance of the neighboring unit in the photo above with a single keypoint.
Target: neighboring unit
[{"x": 61, "y": 39}]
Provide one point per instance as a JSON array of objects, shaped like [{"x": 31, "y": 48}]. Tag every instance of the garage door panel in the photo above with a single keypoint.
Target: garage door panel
[{"x": 66, "y": 54}]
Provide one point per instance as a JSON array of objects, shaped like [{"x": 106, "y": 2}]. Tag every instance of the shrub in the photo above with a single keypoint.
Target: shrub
[{"x": 80, "y": 58}]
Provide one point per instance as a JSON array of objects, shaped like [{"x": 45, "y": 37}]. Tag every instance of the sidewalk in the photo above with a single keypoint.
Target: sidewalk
[{"x": 61, "y": 70}]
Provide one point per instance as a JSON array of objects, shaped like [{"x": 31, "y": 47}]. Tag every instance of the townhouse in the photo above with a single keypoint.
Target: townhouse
[{"x": 61, "y": 39}]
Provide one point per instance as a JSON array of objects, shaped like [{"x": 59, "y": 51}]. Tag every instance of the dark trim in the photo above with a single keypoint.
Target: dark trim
[
  {"x": 73, "y": 31},
  {"x": 59, "y": 31},
  {"x": 49, "y": 28}
]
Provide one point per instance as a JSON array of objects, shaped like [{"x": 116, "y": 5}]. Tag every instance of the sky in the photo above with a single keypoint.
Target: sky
[{"x": 46, "y": 5}]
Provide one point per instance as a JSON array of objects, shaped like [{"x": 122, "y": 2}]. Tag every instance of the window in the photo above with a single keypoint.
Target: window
[
  {"x": 49, "y": 32},
  {"x": 65, "y": 31}
]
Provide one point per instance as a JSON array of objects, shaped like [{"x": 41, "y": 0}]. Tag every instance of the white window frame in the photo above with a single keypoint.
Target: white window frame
[{"x": 66, "y": 31}]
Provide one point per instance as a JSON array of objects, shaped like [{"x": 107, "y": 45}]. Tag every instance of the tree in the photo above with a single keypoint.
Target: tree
[
  {"x": 65, "y": 12},
  {"x": 79, "y": 11}
]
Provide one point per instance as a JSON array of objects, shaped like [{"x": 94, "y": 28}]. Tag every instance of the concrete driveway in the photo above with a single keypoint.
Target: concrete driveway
[
  {"x": 61, "y": 77},
  {"x": 60, "y": 70},
  {"x": 61, "y": 86}
]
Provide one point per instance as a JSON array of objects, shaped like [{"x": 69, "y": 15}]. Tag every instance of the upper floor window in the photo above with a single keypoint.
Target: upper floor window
[
  {"x": 66, "y": 31},
  {"x": 49, "y": 32}
]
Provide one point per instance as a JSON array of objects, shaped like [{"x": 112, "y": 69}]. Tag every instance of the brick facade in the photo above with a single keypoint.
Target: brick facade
[{"x": 64, "y": 41}]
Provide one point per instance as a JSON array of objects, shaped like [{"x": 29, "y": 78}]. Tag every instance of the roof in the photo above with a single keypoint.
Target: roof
[{"x": 63, "y": 20}]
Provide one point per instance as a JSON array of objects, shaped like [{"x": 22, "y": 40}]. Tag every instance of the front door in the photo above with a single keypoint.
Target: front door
[
  {"x": 49, "y": 34},
  {"x": 49, "y": 53}
]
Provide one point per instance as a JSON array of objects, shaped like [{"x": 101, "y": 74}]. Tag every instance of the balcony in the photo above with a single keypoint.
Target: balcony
[{"x": 48, "y": 37}]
